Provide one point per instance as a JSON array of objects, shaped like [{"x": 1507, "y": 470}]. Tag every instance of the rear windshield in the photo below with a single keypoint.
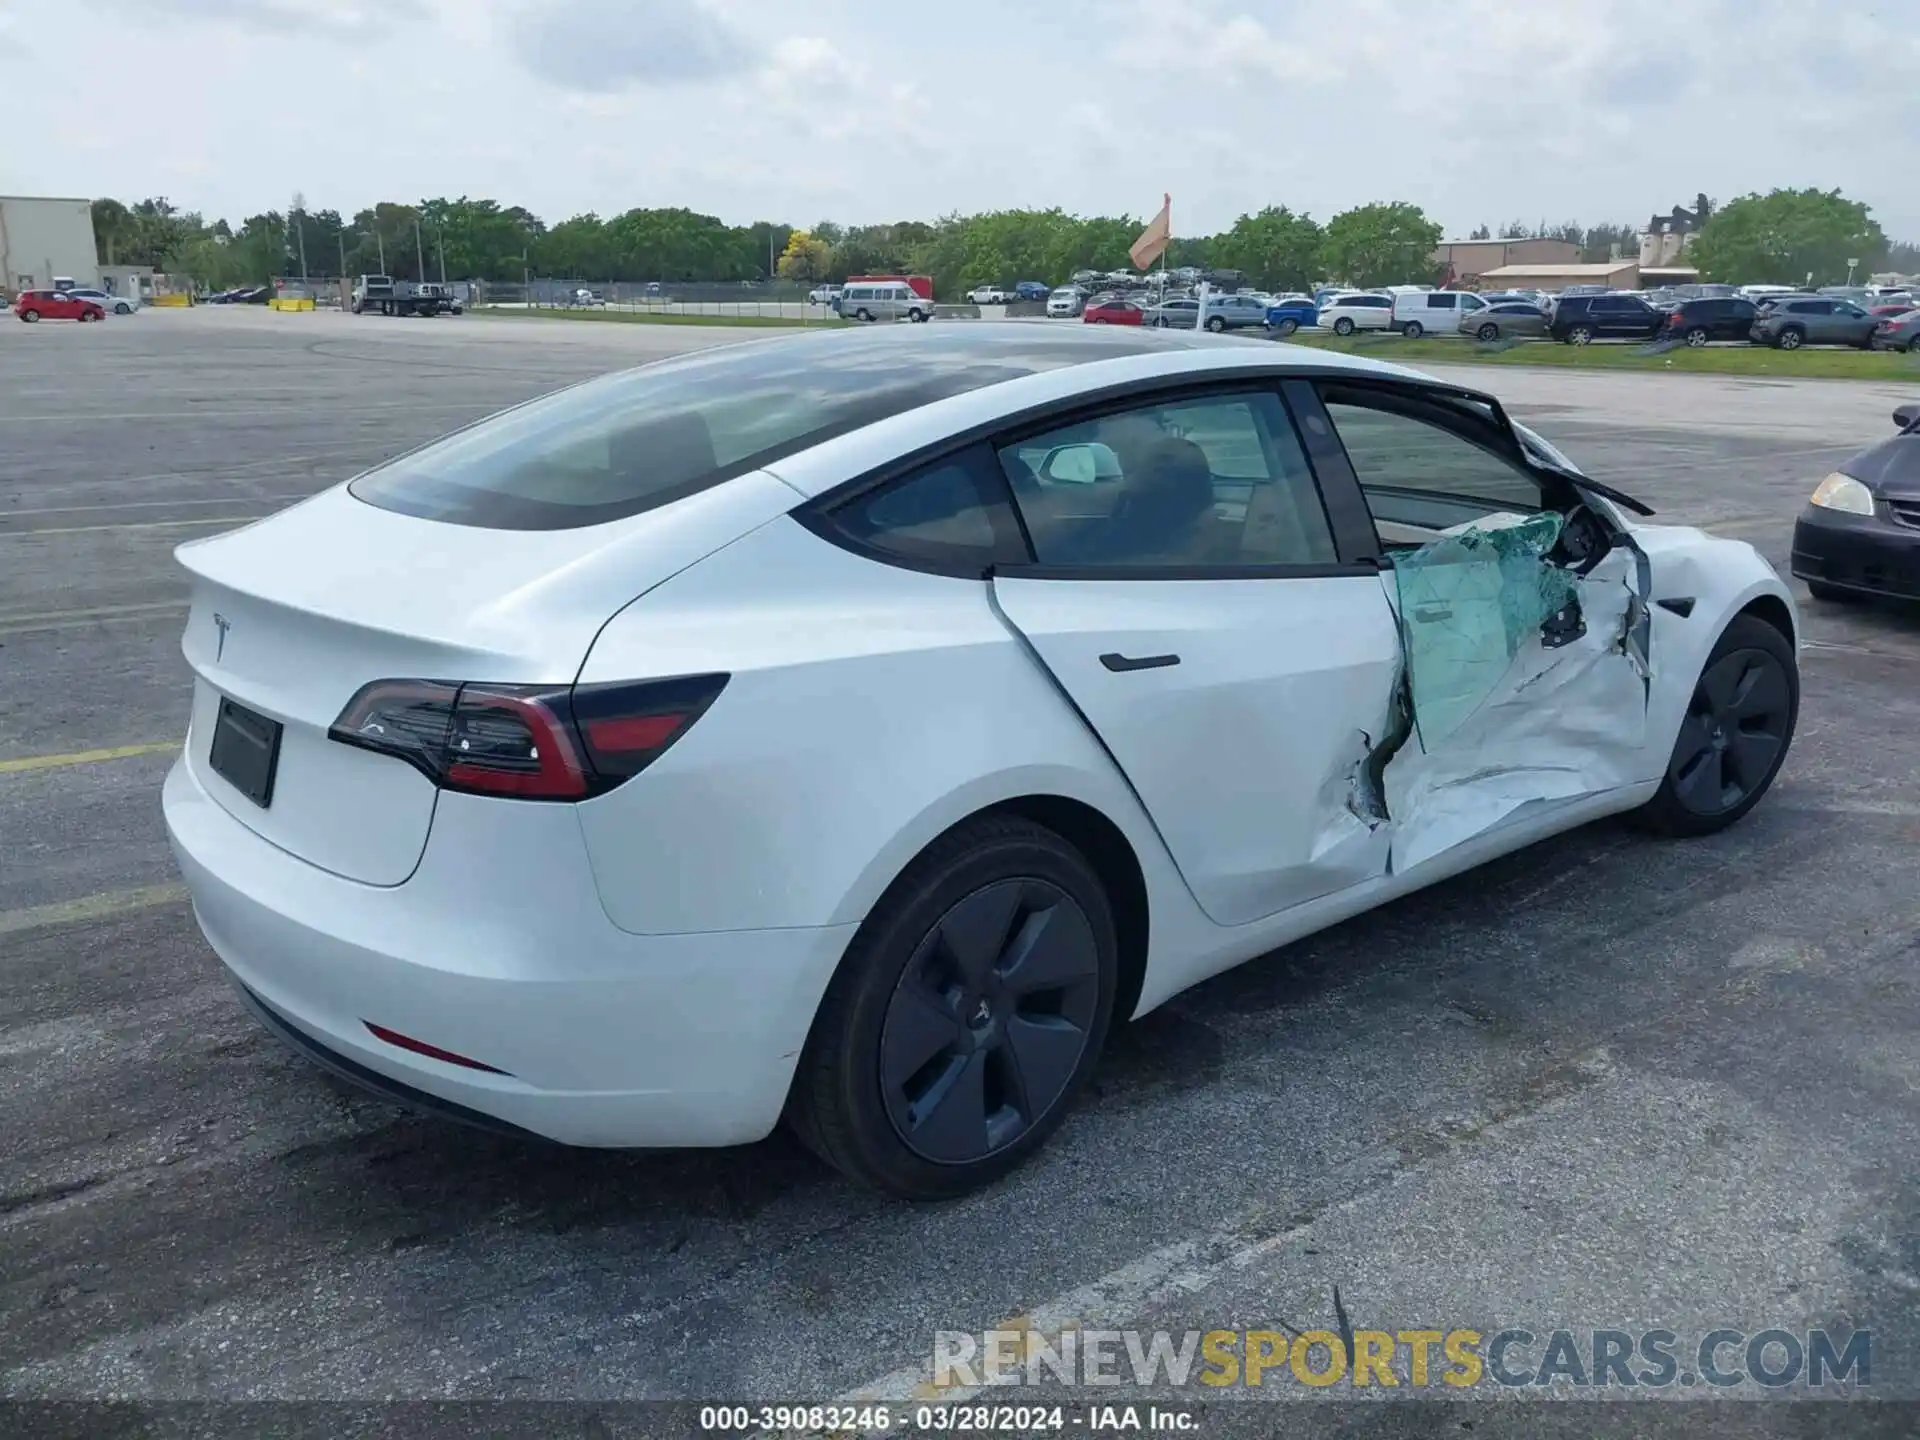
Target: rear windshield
[{"x": 629, "y": 442}]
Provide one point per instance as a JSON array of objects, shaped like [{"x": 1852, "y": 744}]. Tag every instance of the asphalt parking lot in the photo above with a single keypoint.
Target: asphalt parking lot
[{"x": 1607, "y": 1082}]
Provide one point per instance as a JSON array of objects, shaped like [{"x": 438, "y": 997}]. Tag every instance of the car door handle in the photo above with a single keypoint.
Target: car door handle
[{"x": 1121, "y": 663}]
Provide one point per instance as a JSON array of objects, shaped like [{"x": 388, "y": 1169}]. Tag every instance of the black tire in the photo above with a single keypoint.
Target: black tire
[
  {"x": 1735, "y": 735},
  {"x": 1790, "y": 340},
  {"x": 1286, "y": 327},
  {"x": 1216, "y": 323},
  {"x": 901, "y": 999},
  {"x": 1913, "y": 345},
  {"x": 1343, "y": 326},
  {"x": 1488, "y": 332},
  {"x": 1414, "y": 330},
  {"x": 863, "y": 314},
  {"x": 1832, "y": 594},
  {"x": 30, "y": 317},
  {"x": 917, "y": 317},
  {"x": 123, "y": 308},
  {"x": 1580, "y": 335},
  {"x": 1696, "y": 336}
]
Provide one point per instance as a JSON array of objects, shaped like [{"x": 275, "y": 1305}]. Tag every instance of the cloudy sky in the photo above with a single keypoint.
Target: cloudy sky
[{"x": 869, "y": 110}]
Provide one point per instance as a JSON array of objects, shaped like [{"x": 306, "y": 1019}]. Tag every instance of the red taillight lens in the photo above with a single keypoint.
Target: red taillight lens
[{"x": 531, "y": 742}]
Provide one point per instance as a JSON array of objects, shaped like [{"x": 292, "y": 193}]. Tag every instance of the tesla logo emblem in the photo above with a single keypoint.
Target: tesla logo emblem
[
  {"x": 983, "y": 1014},
  {"x": 222, "y": 624}
]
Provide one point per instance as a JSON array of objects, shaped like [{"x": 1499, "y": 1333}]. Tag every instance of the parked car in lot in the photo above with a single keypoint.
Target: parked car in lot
[
  {"x": 1113, "y": 311},
  {"x": 1508, "y": 320},
  {"x": 1344, "y": 314},
  {"x": 106, "y": 300},
  {"x": 1066, "y": 302},
  {"x": 1236, "y": 312},
  {"x": 1699, "y": 321},
  {"x": 500, "y": 848},
  {"x": 1441, "y": 311},
  {"x": 1030, "y": 291},
  {"x": 1859, "y": 535},
  {"x": 1582, "y": 319},
  {"x": 1289, "y": 313},
  {"x": 1896, "y": 307},
  {"x": 987, "y": 295},
  {"x": 823, "y": 294},
  {"x": 1180, "y": 312},
  {"x": 1898, "y": 332},
  {"x": 586, "y": 298},
  {"x": 1815, "y": 320},
  {"x": 36, "y": 305}
]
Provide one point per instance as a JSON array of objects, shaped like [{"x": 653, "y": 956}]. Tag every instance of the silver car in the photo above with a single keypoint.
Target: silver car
[{"x": 1505, "y": 319}]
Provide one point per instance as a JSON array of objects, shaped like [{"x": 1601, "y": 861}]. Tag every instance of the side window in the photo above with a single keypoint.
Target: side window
[
  {"x": 954, "y": 512},
  {"x": 1217, "y": 482},
  {"x": 1418, "y": 468},
  {"x": 1441, "y": 301}
]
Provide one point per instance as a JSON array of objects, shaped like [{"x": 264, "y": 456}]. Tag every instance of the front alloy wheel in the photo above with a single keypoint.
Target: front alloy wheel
[{"x": 1735, "y": 734}]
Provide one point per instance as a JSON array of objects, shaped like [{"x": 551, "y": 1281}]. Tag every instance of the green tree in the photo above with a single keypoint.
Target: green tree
[
  {"x": 1785, "y": 236},
  {"x": 1481, "y": 232},
  {"x": 1275, "y": 249},
  {"x": 1381, "y": 244}
]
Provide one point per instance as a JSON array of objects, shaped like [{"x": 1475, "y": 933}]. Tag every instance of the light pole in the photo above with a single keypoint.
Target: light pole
[{"x": 419, "y": 254}]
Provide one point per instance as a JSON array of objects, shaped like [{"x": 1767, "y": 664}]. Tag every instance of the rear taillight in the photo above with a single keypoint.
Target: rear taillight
[{"x": 532, "y": 742}]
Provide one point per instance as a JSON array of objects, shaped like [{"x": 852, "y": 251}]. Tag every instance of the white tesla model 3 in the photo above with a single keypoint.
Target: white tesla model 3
[{"x": 850, "y": 727}]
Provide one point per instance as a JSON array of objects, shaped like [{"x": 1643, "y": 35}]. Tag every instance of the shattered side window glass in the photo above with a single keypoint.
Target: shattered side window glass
[{"x": 1467, "y": 603}]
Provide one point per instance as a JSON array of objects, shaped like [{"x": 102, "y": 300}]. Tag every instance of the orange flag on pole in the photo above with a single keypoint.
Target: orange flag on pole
[{"x": 1153, "y": 240}]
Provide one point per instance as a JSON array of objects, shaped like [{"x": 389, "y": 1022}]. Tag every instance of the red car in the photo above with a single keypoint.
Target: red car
[
  {"x": 1113, "y": 312},
  {"x": 1887, "y": 312},
  {"x": 55, "y": 305}
]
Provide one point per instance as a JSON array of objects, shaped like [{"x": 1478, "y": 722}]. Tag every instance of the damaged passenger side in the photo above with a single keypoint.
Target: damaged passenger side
[{"x": 1522, "y": 616}]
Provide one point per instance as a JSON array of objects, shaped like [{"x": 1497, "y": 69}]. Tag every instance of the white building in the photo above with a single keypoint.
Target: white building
[{"x": 41, "y": 238}]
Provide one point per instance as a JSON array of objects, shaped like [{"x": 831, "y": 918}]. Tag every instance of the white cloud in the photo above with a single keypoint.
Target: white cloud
[{"x": 1479, "y": 110}]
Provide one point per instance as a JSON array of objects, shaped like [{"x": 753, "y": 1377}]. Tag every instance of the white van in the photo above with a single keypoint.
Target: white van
[
  {"x": 1417, "y": 312},
  {"x": 884, "y": 300}
]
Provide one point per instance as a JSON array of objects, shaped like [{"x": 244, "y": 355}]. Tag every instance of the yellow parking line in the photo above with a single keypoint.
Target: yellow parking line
[
  {"x": 16, "y": 622},
  {"x": 134, "y": 525},
  {"x": 85, "y": 757},
  {"x": 103, "y": 906}
]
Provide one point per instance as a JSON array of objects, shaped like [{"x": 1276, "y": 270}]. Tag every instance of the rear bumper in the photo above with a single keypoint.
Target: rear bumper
[
  {"x": 1867, "y": 554},
  {"x": 502, "y": 952}
]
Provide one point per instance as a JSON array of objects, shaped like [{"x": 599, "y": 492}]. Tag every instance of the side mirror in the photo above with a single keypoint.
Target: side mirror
[
  {"x": 1907, "y": 416},
  {"x": 1085, "y": 464}
]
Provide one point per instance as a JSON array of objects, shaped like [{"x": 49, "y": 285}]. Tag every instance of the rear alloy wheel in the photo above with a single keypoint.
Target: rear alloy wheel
[
  {"x": 863, "y": 315},
  {"x": 1697, "y": 336},
  {"x": 1488, "y": 332},
  {"x": 1735, "y": 734},
  {"x": 1217, "y": 323},
  {"x": 1580, "y": 335},
  {"x": 1414, "y": 330},
  {"x": 1343, "y": 326},
  {"x": 966, "y": 1015}
]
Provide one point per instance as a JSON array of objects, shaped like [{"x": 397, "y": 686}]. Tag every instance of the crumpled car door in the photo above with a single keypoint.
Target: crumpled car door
[{"x": 1525, "y": 683}]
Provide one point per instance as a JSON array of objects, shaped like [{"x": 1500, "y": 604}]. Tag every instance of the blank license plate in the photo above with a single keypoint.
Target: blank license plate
[{"x": 246, "y": 750}]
